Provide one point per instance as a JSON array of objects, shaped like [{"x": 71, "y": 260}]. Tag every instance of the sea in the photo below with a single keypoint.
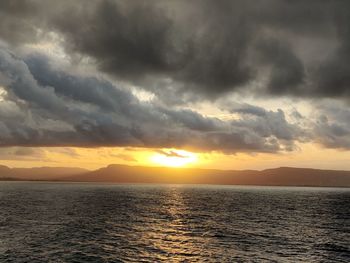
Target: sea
[{"x": 87, "y": 222}]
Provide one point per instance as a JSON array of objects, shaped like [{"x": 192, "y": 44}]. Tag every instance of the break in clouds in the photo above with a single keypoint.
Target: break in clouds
[{"x": 181, "y": 52}]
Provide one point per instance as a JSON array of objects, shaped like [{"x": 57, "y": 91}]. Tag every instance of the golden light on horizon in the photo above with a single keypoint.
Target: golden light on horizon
[{"x": 173, "y": 158}]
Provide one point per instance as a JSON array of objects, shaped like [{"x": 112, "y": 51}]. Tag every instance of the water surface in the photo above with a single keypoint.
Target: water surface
[{"x": 57, "y": 222}]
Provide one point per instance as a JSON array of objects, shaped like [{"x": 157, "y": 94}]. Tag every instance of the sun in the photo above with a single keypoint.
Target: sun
[{"x": 173, "y": 158}]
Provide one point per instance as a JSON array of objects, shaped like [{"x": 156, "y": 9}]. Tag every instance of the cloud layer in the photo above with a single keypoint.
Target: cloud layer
[
  {"x": 181, "y": 52},
  {"x": 206, "y": 48},
  {"x": 47, "y": 106}
]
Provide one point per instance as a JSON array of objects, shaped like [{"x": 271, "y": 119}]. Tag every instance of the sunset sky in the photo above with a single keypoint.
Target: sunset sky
[{"x": 212, "y": 84}]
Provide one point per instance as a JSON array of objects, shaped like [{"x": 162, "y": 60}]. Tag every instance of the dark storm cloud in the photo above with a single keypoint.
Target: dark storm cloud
[
  {"x": 140, "y": 39},
  {"x": 181, "y": 51},
  {"x": 47, "y": 106},
  {"x": 125, "y": 40},
  {"x": 287, "y": 71},
  {"x": 17, "y": 23},
  {"x": 207, "y": 48}
]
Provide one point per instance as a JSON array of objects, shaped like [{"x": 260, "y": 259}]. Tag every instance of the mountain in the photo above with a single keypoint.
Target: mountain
[
  {"x": 4, "y": 169},
  {"x": 280, "y": 176},
  {"x": 115, "y": 173},
  {"x": 39, "y": 173}
]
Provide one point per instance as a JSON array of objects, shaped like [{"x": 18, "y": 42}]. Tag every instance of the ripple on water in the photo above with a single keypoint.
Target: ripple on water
[{"x": 42, "y": 222}]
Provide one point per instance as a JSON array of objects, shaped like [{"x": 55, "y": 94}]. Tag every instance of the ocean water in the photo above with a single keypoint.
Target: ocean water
[{"x": 58, "y": 222}]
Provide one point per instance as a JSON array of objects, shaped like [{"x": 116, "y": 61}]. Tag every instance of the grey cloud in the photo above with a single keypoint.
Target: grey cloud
[
  {"x": 192, "y": 120},
  {"x": 22, "y": 153},
  {"x": 24, "y": 86},
  {"x": 244, "y": 108},
  {"x": 263, "y": 123},
  {"x": 55, "y": 111},
  {"x": 88, "y": 89},
  {"x": 332, "y": 77},
  {"x": 332, "y": 126},
  {"x": 137, "y": 40},
  {"x": 29, "y": 153},
  {"x": 18, "y": 23},
  {"x": 206, "y": 48},
  {"x": 287, "y": 71}
]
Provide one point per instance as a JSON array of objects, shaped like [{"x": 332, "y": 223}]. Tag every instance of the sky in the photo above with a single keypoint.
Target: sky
[{"x": 215, "y": 84}]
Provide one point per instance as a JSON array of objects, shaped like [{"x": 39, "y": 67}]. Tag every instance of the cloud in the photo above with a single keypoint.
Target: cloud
[
  {"x": 287, "y": 71},
  {"x": 17, "y": 21},
  {"x": 332, "y": 126},
  {"x": 171, "y": 154},
  {"x": 198, "y": 49},
  {"x": 51, "y": 107},
  {"x": 181, "y": 52},
  {"x": 257, "y": 123},
  {"x": 23, "y": 154}
]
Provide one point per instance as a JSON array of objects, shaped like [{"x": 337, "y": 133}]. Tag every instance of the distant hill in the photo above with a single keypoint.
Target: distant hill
[
  {"x": 39, "y": 173},
  {"x": 275, "y": 177},
  {"x": 115, "y": 173}
]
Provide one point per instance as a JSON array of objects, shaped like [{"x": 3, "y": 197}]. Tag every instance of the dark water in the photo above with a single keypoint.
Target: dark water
[{"x": 52, "y": 222}]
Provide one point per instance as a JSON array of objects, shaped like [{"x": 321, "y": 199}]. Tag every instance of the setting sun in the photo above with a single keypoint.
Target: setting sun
[{"x": 173, "y": 158}]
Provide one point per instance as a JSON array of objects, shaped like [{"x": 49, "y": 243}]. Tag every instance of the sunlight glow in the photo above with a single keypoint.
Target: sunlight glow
[
  {"x": 173, "y": 158},
  {"x": 3, "y": 93}
]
